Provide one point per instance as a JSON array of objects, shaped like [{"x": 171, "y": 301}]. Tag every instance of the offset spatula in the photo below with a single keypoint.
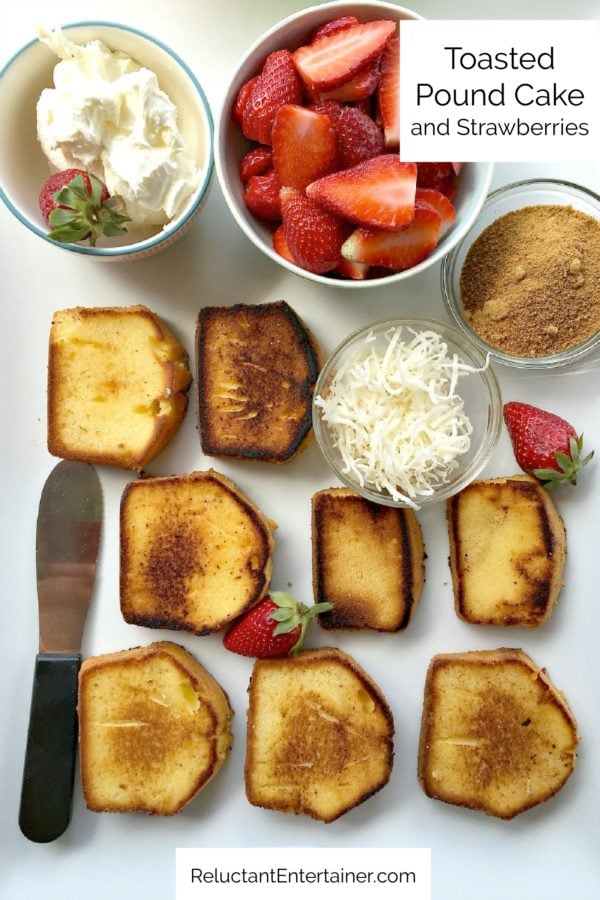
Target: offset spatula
[{"x": 67, "y": 541}]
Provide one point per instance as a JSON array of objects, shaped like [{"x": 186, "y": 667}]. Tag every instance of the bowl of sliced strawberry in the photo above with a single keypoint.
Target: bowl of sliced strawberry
[{"x": 307, "y": 153}]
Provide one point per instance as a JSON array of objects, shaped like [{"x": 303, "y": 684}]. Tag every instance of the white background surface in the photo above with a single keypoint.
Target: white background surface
[{"x": 549, "y": 852}]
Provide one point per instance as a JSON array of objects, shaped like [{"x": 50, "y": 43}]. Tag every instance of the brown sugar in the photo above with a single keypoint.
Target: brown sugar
[{"x": 530, "y": 283}]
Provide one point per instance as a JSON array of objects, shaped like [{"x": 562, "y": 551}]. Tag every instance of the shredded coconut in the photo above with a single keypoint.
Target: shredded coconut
[{"x": 395, "y": 416}]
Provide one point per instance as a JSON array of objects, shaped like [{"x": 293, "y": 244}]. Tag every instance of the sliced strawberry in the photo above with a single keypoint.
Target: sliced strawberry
[
  {"x": 241, "y": 99},
  {"x": 281, "y": 246},
  {"x": 355, "y": 271},
  {"x": 345, "y": 268},
  {"x": 377, "y": 193},
  {"x": 358, "y": 88},
  {"x": 430, "y": 174},
  {"x": 357, "y": 137},
  {"x": 367, "y": 106},
  {"x": 304, "y": 146},
  {"x": 262, "y": 197},
  {"x": 314, "y": 236},
  {"x": 330, "y": 108},
  {"x": 277, "y": 85},
  {"x": 439, "y": 176},
  {"x": 441, "y": 204},
  {"x": 256, "y": 162},
  {"x": 333, "y": 26},
  {"x": 388, "y": 93},
  {"x": 398, "y": 249},
  {"x": 348, "y": 72},
  {"x": 336, "y": 58}
]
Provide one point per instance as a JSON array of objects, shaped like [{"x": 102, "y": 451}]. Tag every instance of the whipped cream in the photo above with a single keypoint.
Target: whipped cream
[{"x": 108, "y": 114}]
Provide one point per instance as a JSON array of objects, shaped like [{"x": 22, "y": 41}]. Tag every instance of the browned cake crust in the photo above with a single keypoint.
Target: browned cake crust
[
  {"x": 257, "y": 367},
  {"x": 507, "y": 552},
  {"x": 368, "y": 560},
  {"x": 154, "y": 729},
  {"x": 496, "y": 735},
  {"x": 117, "y": 385},
  {"x": 320, "y": 735},
  {"x": 195, "y": 552}
]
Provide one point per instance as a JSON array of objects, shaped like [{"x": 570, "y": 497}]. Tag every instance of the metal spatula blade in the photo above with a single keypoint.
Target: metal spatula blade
[{"x": 67, "y": 541}]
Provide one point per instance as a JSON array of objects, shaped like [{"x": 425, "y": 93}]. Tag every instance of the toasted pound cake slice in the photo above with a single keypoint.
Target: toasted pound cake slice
[
  {"x": 320, "y": 735},
  {"x": 368, "y": 560},
  {"x": 117, "y": 383},
  {"x": 195, "y": 552},
  {"x": 507, "y": 551},
  {"x": 154, "y": 728},
  {"x": 257, "y": 367},
  {"x": 496, "y": 735}
]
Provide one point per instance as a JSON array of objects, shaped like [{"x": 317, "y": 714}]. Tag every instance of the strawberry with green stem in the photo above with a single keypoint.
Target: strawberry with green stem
[
  {"x": 77, "y": 206},
  {"x": 275, "y": 627},
  {"x": 545, "y": 445}
]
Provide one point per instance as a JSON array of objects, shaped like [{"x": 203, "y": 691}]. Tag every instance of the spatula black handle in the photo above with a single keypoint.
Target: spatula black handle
[{"x": 47, "y": 790}]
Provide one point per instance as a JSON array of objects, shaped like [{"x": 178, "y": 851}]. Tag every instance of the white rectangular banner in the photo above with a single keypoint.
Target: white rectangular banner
[
  {"x": 503, "y": 91},
  {"x": 293, "y": 872}
]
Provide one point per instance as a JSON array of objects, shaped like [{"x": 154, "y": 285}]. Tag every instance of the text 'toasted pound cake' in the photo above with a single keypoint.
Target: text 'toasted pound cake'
[
  {"x": 507, "y": 551},
  {"x": 195, "y": 552},
  {"x": 117, "y": 385},
  {"x": 496, "y": 735},
  {"x": 368, "y": 561},
  {"x": 320, "y": 735},
  {"x": 257, "y": 367},
  {"x": 154, "y": 728}
]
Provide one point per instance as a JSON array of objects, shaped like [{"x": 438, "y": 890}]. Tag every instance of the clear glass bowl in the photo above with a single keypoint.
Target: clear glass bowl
[
  {"x": 533, "y": 192},
  {"x": 479, "y": 391}
]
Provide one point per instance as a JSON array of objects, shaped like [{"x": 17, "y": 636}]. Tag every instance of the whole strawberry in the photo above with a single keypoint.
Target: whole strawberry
[
  {"x": 275, "y": 627},
  {"x": 545, "y": 445},
  {"x": 77, "y": 206}
]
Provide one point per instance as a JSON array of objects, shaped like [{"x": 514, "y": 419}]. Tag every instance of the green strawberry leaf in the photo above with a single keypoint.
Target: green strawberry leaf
[
  {"x": 283, "y": 599},
  {"x": 290, "y": 614},
  {"x": 283, "y": 615},
  {"x": 568, "y": 464},
  {"x": 85, "y": 215}
]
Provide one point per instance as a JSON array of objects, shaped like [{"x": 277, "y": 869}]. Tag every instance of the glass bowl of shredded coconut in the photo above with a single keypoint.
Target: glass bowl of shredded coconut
[{"x": 407, "y": 412}]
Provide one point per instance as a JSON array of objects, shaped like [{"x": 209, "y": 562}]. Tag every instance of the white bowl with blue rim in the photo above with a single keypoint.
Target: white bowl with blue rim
[{"x": 24, "y": 167}]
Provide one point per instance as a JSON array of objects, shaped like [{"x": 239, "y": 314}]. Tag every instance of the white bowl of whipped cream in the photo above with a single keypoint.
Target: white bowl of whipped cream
[{"x": 117, "y": 103}]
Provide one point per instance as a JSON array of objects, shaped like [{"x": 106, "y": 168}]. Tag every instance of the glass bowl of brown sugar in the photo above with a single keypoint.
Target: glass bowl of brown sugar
[{"x": 524, "y": 282}]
